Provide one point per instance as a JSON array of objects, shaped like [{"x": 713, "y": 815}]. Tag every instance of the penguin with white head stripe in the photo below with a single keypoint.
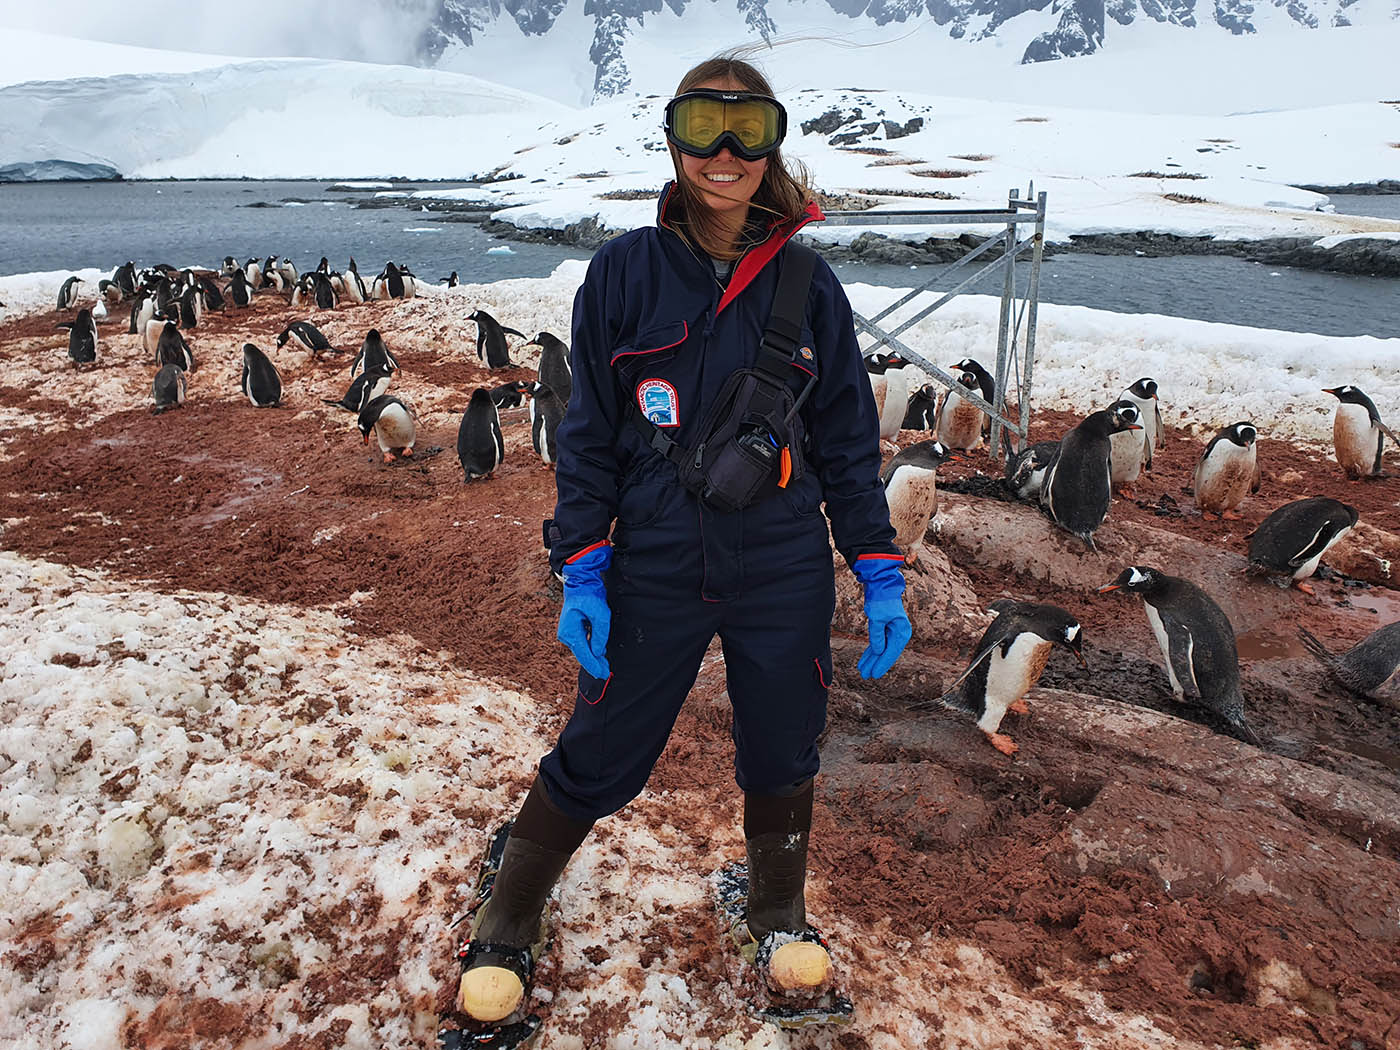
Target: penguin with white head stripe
[
  {"x": 1227, "y": 471},
  {"x": 1358, "y": 435}
]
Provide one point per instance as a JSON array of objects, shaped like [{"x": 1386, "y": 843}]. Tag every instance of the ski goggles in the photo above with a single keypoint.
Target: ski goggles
[{"x": 701, "y": 123}]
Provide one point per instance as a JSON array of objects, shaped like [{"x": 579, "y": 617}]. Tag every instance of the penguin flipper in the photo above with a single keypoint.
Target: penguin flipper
[
  {"x": 1258, "y": 479},
  {"x": 1181, "y": 646},
  {"x": 512, "y": 331}
]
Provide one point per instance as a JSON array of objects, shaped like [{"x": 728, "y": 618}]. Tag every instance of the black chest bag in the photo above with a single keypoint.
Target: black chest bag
[{"x": 751, "y": 438}]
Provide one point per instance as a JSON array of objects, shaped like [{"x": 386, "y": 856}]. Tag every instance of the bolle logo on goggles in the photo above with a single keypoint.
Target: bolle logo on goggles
[{"x": 701, "y": 123}]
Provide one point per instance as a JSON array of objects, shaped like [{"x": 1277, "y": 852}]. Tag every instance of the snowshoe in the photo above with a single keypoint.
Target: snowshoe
[
  {"x": 830, "y": 1007},
  {"x": 457, "y": 1031}
]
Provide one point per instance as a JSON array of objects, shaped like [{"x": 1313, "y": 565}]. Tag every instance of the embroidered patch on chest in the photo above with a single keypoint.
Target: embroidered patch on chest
[{"x": 659, "y": 404}]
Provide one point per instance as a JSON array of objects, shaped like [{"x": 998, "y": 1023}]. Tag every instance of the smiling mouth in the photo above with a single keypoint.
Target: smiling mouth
[{"x": 722, "y": 177}]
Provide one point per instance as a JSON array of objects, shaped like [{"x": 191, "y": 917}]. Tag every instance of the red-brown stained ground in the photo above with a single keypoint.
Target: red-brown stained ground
[{"x": 288, "y": 505}]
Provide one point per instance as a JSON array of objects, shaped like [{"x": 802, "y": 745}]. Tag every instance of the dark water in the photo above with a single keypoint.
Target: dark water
[
  {"x": 1376, "y": 205},
  {"x": 57, "y": 226}
]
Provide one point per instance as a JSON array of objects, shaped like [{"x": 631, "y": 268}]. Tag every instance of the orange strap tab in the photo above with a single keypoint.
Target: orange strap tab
[{"x": 785, "y": 472}]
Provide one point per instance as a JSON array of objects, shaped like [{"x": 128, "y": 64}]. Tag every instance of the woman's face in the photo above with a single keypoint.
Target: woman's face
[{"x": 724, "y": 182}]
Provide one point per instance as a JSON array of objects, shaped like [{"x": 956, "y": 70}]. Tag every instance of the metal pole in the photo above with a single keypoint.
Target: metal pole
[
  {"x": 1008, "y": 293},
  {"x": 1033, "y": 294}
]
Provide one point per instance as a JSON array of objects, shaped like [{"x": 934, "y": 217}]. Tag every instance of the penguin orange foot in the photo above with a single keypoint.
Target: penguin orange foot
[
  {"x": 1019, "y": 707},
  {"x": 388, "y": 457},
  {"x": 1230, "y": 515},
  {"x": 1305, "y": 587},
  {"x": 1003, "y": 743}
]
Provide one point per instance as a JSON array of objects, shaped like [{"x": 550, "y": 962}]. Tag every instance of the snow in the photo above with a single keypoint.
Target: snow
[{"x": 1097, "y": 134}]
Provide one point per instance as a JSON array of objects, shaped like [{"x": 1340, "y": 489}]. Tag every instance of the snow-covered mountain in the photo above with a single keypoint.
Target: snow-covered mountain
[{"x": 1062, "y": 28}]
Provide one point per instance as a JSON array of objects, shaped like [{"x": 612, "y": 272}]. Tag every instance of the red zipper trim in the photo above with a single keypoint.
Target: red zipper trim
[
  {"x": 751, "y": 264},
  {"x": 883, "y": 557},
  {"x": 820, "y": 677},
  {"x": 594, "y": 703}
]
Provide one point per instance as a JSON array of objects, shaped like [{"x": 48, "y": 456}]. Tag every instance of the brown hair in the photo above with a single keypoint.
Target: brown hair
[{"x": 782, "y": 196}]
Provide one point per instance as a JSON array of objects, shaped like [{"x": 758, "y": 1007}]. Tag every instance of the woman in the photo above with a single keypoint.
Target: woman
[{"x": 665, "y": 316}]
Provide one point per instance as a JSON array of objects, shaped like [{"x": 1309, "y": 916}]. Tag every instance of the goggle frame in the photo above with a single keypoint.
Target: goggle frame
[{"x": 725, "y": 138}]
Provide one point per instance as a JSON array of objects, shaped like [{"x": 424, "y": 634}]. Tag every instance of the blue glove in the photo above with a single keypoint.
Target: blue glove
[
  {"x": 884, "y": 609},
  {"x": 585, "y": 619}
]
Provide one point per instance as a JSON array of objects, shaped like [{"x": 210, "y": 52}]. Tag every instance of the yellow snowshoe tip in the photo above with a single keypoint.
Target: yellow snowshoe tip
[
  {"x": 489, "y": 993},
  {"x": 799, "y": 966}
]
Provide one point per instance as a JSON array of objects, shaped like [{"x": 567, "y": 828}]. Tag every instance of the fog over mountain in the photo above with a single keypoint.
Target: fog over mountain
[{"x": 592, "y": 44}]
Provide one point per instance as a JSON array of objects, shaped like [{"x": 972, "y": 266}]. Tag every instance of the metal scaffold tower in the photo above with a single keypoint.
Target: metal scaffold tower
[{"x": 1016, "y": 330}]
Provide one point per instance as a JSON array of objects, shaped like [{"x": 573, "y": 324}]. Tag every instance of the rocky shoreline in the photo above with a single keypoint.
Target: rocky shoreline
[{"x": 1360, "y": 256}]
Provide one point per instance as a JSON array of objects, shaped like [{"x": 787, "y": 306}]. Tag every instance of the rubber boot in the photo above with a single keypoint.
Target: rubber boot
[
  {"x": 501, "y": 958},
  {"x": 776, "y": 828}
]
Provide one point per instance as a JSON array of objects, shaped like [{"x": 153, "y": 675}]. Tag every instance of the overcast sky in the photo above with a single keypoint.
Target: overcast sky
[{"x": 360, "y": 30}]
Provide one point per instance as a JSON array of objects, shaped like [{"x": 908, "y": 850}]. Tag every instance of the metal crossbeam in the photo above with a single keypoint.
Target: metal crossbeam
[{"x": 1015, "y": 358}]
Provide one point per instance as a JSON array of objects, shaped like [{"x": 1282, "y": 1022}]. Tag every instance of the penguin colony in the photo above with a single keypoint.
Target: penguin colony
[
  {"x": 162, "y": 304},
  {"x": 1073, "y": 481}
]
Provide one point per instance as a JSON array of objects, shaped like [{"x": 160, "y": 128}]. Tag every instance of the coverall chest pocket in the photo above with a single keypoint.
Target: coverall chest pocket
[{"x": 648, "y": 372}]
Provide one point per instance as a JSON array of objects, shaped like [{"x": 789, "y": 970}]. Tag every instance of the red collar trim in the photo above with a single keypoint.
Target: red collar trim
[{"x": 753, "y": 262}]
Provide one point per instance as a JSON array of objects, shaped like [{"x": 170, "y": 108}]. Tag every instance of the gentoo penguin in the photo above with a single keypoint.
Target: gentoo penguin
[
  {"x": 306, "y": 335},
  {"x": 68, "y": 294},
  {"x": 480, "y": 447},
  {"x": 921, "y": 412},
  {"x": 450, "y": 280},
  {"x": 325, "y": 294},
  {"x": 229, "y": 266},
  {"x": 1294, "y": 538},
  {"x": 1143, "y": 393},
  {"x": 288, "y": 270},
  {"x": 99, "y": 310},
  {"x": 393, "y": 427},
  {"x": 171, "y": 349},
  {"x": 959, "y": 420},
  {"x": 188, "y": 306},
  {"x": 364, "y": 388},
  {"x": 1126, "y": 449},
  {"x": 1007, "y": 663},
  {"x": 1026, "y": 470},
  {"x": 109, "y": 292},
  {"x": 324, "y": 266},
  {"x": 271, "y": 275},
  {"x": 168, "y": 390},
  {"x": 389, "y": 284},
  {"x": 546, "y": 412},
  {"x": 554, "y": 369},
  {"x": 911, "y": 490},
  {"x": 491, "y": 339},
  {"x": 82, "y": 339},
  {"x": 1370, "y": 668},
  {"x": 986, "y": 386},
  {"x": 1197, "y": 642},
  {"x": 891, "y": 390},
  {"x": 211, "y": 294},
  {"x": 373, "y": 354},
  {"x": 253, "y": 271},
  {"x": 354, "y": 283},
  {"x": 240, "y": 291},
  {"x": 510, "y": 395},
  {"x": 1227, "y": 471},
  {"x": 124, "y": 277},
  {"x": 261, "y": 384},
  {"x": 879, "y": 364},
  {"x": 1077, "y": 490},
  {"x": 1358, "y": 433}
]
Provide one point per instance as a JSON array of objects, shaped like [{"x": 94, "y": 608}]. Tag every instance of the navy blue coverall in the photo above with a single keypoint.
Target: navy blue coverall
[{"x": 652, "y": 326}]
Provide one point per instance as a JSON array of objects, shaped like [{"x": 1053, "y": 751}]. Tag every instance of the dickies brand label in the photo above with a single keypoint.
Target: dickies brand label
[{"x": 659, "y": 404}]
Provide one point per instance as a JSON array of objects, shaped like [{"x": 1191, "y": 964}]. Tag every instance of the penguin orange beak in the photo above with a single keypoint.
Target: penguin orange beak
[
  {"x": 1134, "y": 426},
  {"x": 366, "y": 437},
  {"x": 1326, "y": 390},
  {"x": 1109, "y": 587},
  {"x": 1080, "y": 657}
]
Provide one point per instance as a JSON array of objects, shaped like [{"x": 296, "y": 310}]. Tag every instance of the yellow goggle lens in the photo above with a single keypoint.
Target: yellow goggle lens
[{"x": 699, "y": 122}]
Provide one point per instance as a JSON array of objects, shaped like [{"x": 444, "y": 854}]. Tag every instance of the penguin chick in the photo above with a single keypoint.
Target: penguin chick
[
  {"x": 1227, "y": 471},
  {"x": 911, "y": 490},
  {"x": 1196, "y": 639},
  {"x": 891, "y": 390},
  {"x": 921, "y": 413},
  {"x": 1077, "y": 489},
  {"x": 261, "y": 384},
  {"x": 168, "y": 390},
  {"x": 364, "y": 388},
  {"x": 1025, "y": 470},
  {"x": 1008, "y": 662},
  {"x": 1293, "y": 539},
  {"x": 1143, "y": 394},
  {"x": 1370, "y": 668},
  {"x": 1358, "y": 435},
  {"x": 480, "y": 447},
  {"x": 393, "y": 426},
  {"x": 959, "y": 420}
]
